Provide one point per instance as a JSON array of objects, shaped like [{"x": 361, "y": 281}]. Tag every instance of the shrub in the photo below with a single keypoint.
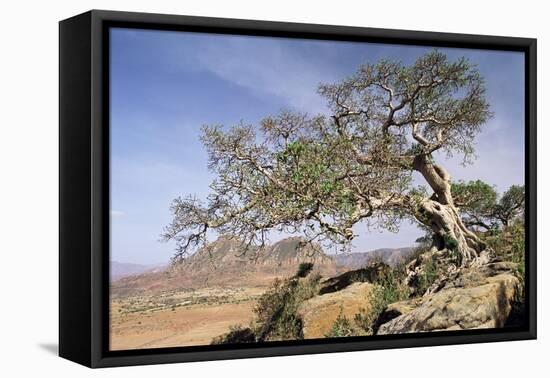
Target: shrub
[
  {"x": 304, "y": 269},
  {"x": 392, "y": 282},
  {"x": 427, "y": 277},
  {"x": 450, "y": 243},
  {"x": 372, "y": 272},
  {"x": 342, "y": 327},
  {"x": 276, "y": 309},
  {"x": 366, "y": 319},
  {"x": 389, "y": 288},
  {"x": 236, "y": 334},
  {"x": 509, "y": 245}
]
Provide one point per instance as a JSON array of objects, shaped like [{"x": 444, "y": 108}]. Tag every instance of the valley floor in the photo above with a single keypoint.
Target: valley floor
[{"x": 180, "y": 318}]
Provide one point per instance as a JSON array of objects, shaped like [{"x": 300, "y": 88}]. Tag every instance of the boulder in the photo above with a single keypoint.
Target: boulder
[
  {"x": 370, "y": 273},
  {"x": 394, "y": 310},
  {"x": 480, "y": 297},
  {"x": 319, "y": 313}
]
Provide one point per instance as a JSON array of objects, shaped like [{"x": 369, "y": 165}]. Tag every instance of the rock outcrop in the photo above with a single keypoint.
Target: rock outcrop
[
  {"x": 390, "y": 256},
  {"x": 319, "y": 313},
  {"x": 370, "y": 273},
  {"x": 478, "y": 297}
]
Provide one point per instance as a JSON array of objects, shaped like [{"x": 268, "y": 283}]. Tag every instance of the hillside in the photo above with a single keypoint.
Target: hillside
[
  {"x": 224, "y": 263},
  {"x": 120, "y": 269}
]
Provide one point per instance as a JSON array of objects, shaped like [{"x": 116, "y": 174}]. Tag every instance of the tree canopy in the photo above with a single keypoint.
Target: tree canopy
[
  {"x": 482, "y": 208},
  {"x": 320, "y": 175}
]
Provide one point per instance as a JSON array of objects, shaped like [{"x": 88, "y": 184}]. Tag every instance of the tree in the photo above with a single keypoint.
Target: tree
[
  {"x": 481, "y": 207},
  {"x": 321, "y": 175},
  {"x": 512, "y": 205},
  {"x": 477, "y": 201}
]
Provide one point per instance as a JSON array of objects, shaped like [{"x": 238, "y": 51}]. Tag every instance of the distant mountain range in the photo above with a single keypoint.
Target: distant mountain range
[
  {"x": 120, "y": 269},
  {"x": 226, "y": 255},
  {"x": 225, "y": 262}
]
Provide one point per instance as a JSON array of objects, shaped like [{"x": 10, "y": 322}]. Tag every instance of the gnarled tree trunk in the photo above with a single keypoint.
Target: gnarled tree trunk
[
  {"x": 441, "y": 215},
  {"x": 449, "y": 230}
]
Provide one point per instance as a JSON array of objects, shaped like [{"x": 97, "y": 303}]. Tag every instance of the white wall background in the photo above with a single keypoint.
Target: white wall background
[{"x": 29, "y": 186}]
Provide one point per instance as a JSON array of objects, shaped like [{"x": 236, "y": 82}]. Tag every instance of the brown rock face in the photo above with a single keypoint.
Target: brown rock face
[
  {"x": 289, "y": 252},
  {"x": 226, "y": 263},
  {"x": 475, "y": 298},
  {"x": 319, "y": 313}
]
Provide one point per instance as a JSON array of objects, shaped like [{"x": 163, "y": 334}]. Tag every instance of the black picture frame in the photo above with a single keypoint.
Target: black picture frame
[{"x": 84, "y": 186}]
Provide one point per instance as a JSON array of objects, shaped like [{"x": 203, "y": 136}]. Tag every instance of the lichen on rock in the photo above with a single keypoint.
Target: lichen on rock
[{"x": 480, "y": 297}]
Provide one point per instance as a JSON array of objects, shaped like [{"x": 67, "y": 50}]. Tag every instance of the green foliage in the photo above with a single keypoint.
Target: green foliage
[
  {"x": 304, "y": 269},
  {"x": 388, "y": 288},
  {"x": 393, "y": 289},
  {"x": 493, "y": 232},
  {"x": 292, "y": 151},
  {"x": 321, "y": 175},
  {"x": 415, "y": 149},
  {"x": 427, "y": 277},
  {"x": 342, "y": 327},
  {"x": 513, "y": 196},
  {"x": 476, "y": 195},
  {"x": 327, "y": 187},
  {"x": 512, "y": 205},
  {"x": 479, "y": 203},
  {"x": 509, "y": 245},
  {"x": 450, "y": 243},
  {"x": 276, "y": 309},
  {"x": 452, "y": 246},
  {"x": 366, "y": 318}
]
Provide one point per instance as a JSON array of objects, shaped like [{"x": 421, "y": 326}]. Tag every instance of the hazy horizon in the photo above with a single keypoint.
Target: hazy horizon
[
  {"x": 165, "y": 85},
  {"x": 328, "y": 252}
]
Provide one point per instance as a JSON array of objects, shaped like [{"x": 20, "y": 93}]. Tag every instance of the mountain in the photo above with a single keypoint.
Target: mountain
[
  {"x": 228, "y": 254},
  {"x": 225, "y": 262},
  {"x": 121, "y": 269},
  {"x": 391, "y": 256}
]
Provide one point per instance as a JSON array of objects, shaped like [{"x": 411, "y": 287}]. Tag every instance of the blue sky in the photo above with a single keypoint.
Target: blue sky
[{"x": 165, "y": 85}]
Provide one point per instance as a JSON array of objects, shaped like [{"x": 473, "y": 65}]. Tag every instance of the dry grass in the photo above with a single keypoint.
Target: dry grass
[{"x": 180, "y": 318}]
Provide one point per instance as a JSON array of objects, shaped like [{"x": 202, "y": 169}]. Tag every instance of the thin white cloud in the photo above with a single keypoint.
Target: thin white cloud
[
  {"x": 272, "y": 69},
  {"x": 116, "y": 213}
]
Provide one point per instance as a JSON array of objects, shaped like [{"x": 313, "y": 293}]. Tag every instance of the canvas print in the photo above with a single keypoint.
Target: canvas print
[{"x": 270, "y": 189}]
